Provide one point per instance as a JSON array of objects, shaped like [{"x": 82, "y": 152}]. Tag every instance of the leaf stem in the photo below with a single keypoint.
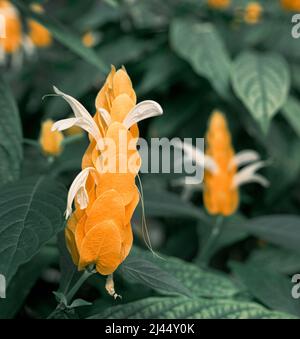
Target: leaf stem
[{"x": 212, "y": 239}]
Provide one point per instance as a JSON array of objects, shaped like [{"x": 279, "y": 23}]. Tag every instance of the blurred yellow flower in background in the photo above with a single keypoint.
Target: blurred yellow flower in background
[
  {"x": 253, "y": 13},
  {"x": 291, "y": 5},
  {"x": 11, "y": 42},
  {"x": 222, "y": 178},
  {"x": 38, "y": 34},
  {"x": 90, "y": 39},
  {"x": 219, "y": 4},
  {"x": 50, "y": 141}
]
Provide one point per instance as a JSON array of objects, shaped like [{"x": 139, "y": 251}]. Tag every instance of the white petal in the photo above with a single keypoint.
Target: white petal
[
  {"x": 105, "y": 116},
  {"x": 244, "y": 157},
  {"x": 64, "y": 124},
  {"x": 79, "y": 111},
  {"x": 247, "y": 175},
  {"x": 28, "y": 45},
  {"x": 78, "y": 186},
  {"x": 143, "y": 110},
  {"x": 198, "y": 156}
]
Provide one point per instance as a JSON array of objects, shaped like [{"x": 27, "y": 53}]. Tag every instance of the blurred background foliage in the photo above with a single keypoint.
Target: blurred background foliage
[{"x": 192, "y": 58}]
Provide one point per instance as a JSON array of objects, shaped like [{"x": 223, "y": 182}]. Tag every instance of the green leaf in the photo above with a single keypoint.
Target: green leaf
[
  {"x": 261, "y": 82},
  {"x": 186, "y": 308},
  {"x": 31, "y": 213},
  {"x": 165, "y": 204},
  {"x": 233, "y": 230},
  {"x": 276, "y": 260},
  {"x": 23, "y": 281},
  {"x": 69, "y": 272},
  {"x": 139, "y": 270},
  {"x": 198, "y": 282},
  {"x": 281, "y": 230},
  {"x": 64, "y": 36},
  {"x": 201, "y": 45},
  {"x": 10, "y": 136},
  {"x": 269, "y": 287},
  {"x": 291, "y": 111},
  {"x": 80, "y": 303}
]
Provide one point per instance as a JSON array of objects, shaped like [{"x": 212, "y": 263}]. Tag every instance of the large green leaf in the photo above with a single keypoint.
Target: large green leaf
[
  {"x": 139, "y": 270},
  {"x": 276, "y": 260},
  {"x": 291, "y": 111},
  {"x": 198, "y": 282},
  {"x": 201, "y": 45},
  {"x": 64, "y": 36},
  {"x": 269, "y": 287},
  {"x": 24, "y": 280},
  {"x": 159, "y": 203},
  {"x": 186, "y": 308},
  {"x": 31, "y": 213},
  {"x": 10, "y": 136},
  {"x": 261, "y": 82},
  {"x": 282, "y": 230}
]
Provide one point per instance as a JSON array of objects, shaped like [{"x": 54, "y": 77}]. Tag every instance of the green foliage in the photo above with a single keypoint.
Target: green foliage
[
  {"x": 201, "y": 45},
  {"x": 262, "y": 82},
  {"x": 184, "y": 308},
  {"x": 192, "y": 59},
  {"x": 31, "y": 214},
  {"x": 10, "y": 136}
]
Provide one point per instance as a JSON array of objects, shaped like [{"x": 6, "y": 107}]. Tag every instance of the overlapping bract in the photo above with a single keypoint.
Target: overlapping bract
[
  {"x": 221, "y": 194},
  {"x": 99, "y": 230}
]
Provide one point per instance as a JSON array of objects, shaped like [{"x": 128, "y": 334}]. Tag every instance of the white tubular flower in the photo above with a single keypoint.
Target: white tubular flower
[
  {"x": 144, "y": 110},
  {"x": 243, "y": 158},
  {"x": 82, "y": 118},
  {"x": 78, "y": 190},
  {"x": 196, "y": 155},
  {"x": 248, "y": 175}
]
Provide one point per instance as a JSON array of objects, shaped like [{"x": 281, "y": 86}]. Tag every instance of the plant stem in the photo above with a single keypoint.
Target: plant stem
[
  {"x": 31, "y": 142},
  {"x": 213, "y": 237},
  {"x": 69, "y": 296},
  {"x": 86, "y": 274}
]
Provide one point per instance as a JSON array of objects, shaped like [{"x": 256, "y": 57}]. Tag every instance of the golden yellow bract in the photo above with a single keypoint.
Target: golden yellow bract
[
  {"x": 51, "y": 142},
  {"x": 220, "y": 196}
]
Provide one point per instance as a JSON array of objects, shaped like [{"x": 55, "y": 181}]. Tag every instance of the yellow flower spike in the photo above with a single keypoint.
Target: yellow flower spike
[
  {"x": 50, "y": 141},
  {"x": 222, "y": 178},
  {"x": 220, "y": 197},
  {"x": 219, "y": 4},
  {"x": 99, "y": 231},
  {"x": 38, "y": 34},
  {"x": 290, "y": 5},
  {"x": 12, "y": 41},
  {"x": 253, "y": 13}
]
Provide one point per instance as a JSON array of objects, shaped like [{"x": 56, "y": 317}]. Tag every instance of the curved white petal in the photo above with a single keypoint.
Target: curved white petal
[
  {"x": 244, "y": 157},
  {"x": 144, "y": 110},
  {"x": 248, "y": 174},
  {"x": 198, "y": 156},
  {"x": 64, "y": 124},
  {"x": 78, "y": 189},
  {"x": 86, "y": 122},
  {"x": 105, "y": 116}
]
